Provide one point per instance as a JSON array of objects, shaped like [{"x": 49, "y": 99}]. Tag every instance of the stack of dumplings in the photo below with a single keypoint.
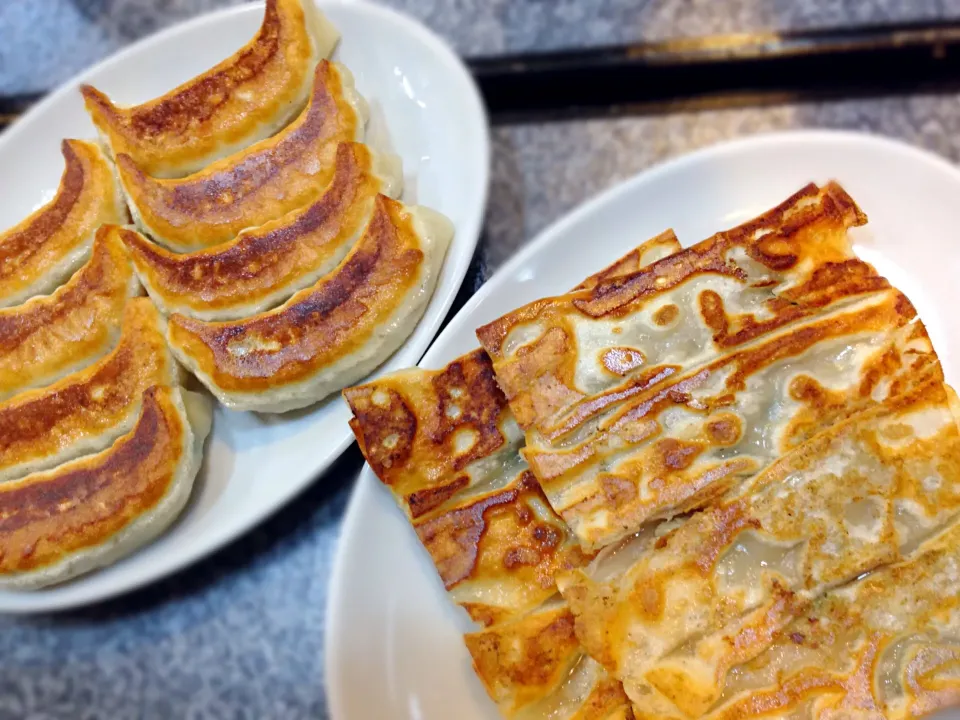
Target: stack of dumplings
[
  {"x": 713, "y": 482},
  {"x": 99, "y": 444},
  {"x": 279, "y": 263},
  {"x": 287, "y": 267}
]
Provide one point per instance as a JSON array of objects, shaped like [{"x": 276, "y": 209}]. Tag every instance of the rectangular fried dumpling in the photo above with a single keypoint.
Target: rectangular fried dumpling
[
  {"x": 886, "y": 646},
  {"x": 655, "y": 392},
  {"x": 534, "y": 667},
  {"x": 556, "y": 353},
  {"x": 446, "y": 446},
  {"x": 681, "y": 441},
  {"x": 715, "y": 588}
]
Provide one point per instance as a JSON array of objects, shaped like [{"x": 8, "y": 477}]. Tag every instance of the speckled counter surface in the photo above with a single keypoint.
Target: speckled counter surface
[{"x": 240, "y": 635}]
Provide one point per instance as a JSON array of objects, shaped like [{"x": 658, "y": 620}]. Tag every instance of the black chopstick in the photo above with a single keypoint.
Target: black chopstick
[{"x": 719, "y": 72}]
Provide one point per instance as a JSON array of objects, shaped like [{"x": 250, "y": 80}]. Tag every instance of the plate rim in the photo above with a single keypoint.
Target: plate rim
[
  {"x": 366, "y": 481},
  {"x": 468, "y": 232}
]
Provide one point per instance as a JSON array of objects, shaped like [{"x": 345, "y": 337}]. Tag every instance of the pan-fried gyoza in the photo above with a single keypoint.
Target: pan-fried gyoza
[{"x": 447, "y": 447}]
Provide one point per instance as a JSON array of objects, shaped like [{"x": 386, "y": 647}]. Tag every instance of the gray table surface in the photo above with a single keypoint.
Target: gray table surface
[{"x": 240, "y": 635}]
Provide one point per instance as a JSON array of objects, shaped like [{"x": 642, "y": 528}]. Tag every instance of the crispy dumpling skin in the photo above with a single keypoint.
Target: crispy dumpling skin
[
  {"x": 721, "y": 583},
  {"x": 447, "y": 447},
  {"x": 264, "y": 266},
  {"x": 534, "y": 667},
  {"x": 488, "y": 530},
  {"x": 407, "y": 425},
  {"x": 677, "y": 440},
  {"x": 557, "y": 353},
  {"x": 90, "y": 512},
  {"x": 256, "y": 185},
  {"x": 329, "y": 335},
  {"x": 43, "y": 250},
  {"x": 885, "y": 646},
  {"x": 642, "y": 397},
  {"x": 244, "y": 99},
  {"x": 86, "y": 411},
  {"x": 51, "y": 336}
]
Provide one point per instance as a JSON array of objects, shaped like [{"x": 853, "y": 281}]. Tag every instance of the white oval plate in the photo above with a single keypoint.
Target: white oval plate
[
  {"x": 393, "y": 645},
  {"x": 424, "y": 106}
]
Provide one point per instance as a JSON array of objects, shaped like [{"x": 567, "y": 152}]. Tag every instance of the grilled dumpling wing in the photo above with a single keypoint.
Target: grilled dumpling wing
[
  {"x": 653, "y": 393},
  {"x": 90, "y": 512},
  {"x": 884, "y": 647},
  {"x": 447, "y": 447},
  {"x": 444, "y": 443},
  {"x": 329, "y": 335},
  {"x": 713, "y": 591},
  {"x": 534, "y": 667},
  {"x": 86, "y": 411},
  {"x": 44, "y": 249},
  {"x": 256, "y": 185},
  {"x": 653, "y": 250},
  {"x": 429, "y": 435},
  {"x": 264, "y": 266},
  {"x": 676, "y": 440},
  {"x": 245, "y": 98},
  {"x": 556, "y": 353},
  {"x": 54, "y": 335}
]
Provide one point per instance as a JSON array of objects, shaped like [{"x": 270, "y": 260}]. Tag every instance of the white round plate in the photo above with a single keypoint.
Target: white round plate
[
  {"x": 424, "y": 106},
  {"x": 393, "y": 646}
]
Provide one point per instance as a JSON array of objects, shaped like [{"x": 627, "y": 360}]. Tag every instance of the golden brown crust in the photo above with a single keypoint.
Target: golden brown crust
[
  {"x": 222, "y": 106},
  {"x": 649, "y": 473},
  {"x": 522, "y": 661},
  {"x": 653, "y": 250},
  {"x": 316, "y": 326},
  {"x": 534, "y": 667},
  {"x": 797, "y": 251},
  {"x": 883, "y": 647},
  {"x": 87, "y": 310},
  {"x": 726, "y": 581},
  {"x": 263, "y": 260},
  {"x": 446, "y": 445},
  {"x": 41, "y": 423},
  {"x": 87, "y": 197},
  {"x": 46, "y": 517},
  {"x": 263, "y": 182},
  {"x": 501, "y": 539},
  {"x": 407, "y": 424}
]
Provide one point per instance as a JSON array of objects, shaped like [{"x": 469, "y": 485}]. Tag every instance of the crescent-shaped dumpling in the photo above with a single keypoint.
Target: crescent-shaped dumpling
[
  {"x": 86, "y": 411},
  {"x": 259, "y": 184},
  {"x": 329, "y": 335},
  {"x": 44, "y": 249},
  {"x": 247, "y": 97},
  {"x": 54, "y": 335},
  {"x": 264, "y": 266},
  {"x": 90, "y": 512}
]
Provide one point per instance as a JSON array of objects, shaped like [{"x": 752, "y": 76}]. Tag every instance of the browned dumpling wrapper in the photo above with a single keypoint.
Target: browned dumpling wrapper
[
  {"x": 447, "y": 447},
  {"x": 328, "y": 335},
  {"x": 255, "y": 185},
  {"x": 264, "y": 266},
  {"x": 51, "y": 336},
  {"x": 86, "y": 411},
  {"x": 246, "y": 98},
  {"x": 43, "y": 250},
  {"x": 90, "y": 512},
  {"x": 713, "y": 591}
]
